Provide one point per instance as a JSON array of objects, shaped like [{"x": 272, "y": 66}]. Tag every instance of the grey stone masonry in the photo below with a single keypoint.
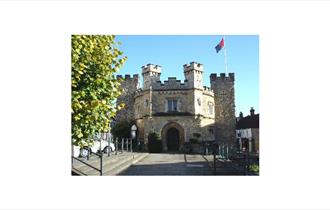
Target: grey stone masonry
[
  {"x": 224, "y": 99},
  {"x": 185, "y": 106},
  {"x": 129, "y": 86}
]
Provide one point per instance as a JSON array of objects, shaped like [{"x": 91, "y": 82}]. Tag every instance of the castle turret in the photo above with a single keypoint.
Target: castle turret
[
  {"x": 224, "y": 99},
  {"x": 129, "y": 86},
  {"x": 151, "y": 74},
  {"x": 193, "y": 73}
]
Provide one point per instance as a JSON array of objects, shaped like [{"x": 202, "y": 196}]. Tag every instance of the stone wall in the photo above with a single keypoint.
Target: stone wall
[
  {"x": 224, "y": 98},
  {"x": 194, "y": 103},
  {"x": 189, "y": 125},
  {"x": 129, "y": 86}
]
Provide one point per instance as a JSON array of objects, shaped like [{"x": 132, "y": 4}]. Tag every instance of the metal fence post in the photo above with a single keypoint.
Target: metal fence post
[
  {"x": 206, "y": 149},
  {"x": 116, "y": 147},
  {"x": 122, "y": 145},
  {"x": 101, "y": 165},
  {"x": 109, "y": 148},
  {"x": 214, "y": 163}
]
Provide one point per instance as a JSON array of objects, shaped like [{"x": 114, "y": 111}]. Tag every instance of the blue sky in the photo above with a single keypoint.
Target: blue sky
[{"x": 173, "y": 51}]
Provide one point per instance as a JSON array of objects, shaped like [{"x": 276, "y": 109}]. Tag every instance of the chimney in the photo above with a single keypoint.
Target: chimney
[
  {"x": 251, "y": 111},
  {"x": 241, "y": 115}
]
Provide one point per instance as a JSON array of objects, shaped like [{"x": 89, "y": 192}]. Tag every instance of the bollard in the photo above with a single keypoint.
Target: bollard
[
  {"x": 131, "y": 145},
  {"x": 126, "y": 145}
]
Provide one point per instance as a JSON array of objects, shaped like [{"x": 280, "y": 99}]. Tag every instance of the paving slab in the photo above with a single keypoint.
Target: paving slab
[{"x": 170, "y": 164}]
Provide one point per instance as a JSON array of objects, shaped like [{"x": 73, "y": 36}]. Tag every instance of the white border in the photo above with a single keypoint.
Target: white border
[{"x": 35, "y": 104}]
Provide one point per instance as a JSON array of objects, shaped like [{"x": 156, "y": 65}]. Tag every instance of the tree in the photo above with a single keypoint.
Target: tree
[
  {"x": 122, "y": 129},
  {"x": 95, "y": 59}
]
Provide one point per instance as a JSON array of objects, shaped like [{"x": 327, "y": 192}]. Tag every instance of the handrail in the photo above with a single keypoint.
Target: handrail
[
  {"x": 129, "y": 148},
  {"x": 99, "y": 170}
]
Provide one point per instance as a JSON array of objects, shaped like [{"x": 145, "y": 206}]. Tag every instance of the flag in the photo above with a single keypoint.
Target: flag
[{"x": 220, "y": 45}]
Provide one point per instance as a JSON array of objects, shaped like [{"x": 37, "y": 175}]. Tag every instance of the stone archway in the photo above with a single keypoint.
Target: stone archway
[{"x": 172, "y": 137}]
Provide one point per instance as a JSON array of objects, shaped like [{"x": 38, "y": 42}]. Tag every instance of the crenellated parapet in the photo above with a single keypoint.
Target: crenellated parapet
[
  {"x": 223, "y": 77},
  {"x": 151, "y": 74},
  {"x": 128, "y": 77},
  {"x": 193, "y": 66},
  {"x": 208, "y": 91},
  {"x": 193, "y": 72},
  {"x": 151, "y": 68},
  {"x": 171, "y": 83}
]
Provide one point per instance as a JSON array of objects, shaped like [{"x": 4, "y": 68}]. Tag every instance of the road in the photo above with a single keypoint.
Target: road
[{"x": 170, "y": 164}]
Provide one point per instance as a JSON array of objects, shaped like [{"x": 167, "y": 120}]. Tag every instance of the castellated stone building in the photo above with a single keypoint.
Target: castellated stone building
[{"x": 179, "y": 111}]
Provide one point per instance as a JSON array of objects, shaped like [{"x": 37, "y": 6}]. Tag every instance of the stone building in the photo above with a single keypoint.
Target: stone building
[
  {"x": 247, "y": 131},
  {"x": 179, "y": 111}
]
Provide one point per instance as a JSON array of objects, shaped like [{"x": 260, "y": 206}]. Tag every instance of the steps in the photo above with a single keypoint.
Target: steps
[{"x": 112, "y": 165}]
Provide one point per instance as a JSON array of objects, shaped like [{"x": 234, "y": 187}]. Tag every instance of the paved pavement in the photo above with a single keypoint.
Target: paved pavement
[{"x": 170, "y": 164}]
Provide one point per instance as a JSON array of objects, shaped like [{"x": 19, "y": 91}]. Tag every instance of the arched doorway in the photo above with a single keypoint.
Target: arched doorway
[{"x": 173, "y": 139}]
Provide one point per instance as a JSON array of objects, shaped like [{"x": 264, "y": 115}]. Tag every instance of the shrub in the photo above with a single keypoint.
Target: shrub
[
  {"x": 122, "y": 129},
  {"x": 154, "y": 143},
  {"x": 254, "y": 168},
  {"x": 193, "y": 141}
]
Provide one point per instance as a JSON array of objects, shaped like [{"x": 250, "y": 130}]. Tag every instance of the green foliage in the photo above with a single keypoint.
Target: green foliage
[
  {"x": 95, "y": 59},
  {"x": 193, "y": 141},
  {"x": 122, "y": 129},
  {"x": 154, "y": 143},
  {"x": 254, "y": 168}
]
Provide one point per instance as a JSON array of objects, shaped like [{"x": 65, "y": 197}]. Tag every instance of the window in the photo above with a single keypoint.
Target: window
[
  {"x": 146, "y": 103},
  {"x": 211, "y": 107},
  {"x": 211, "y": 130},
  {"x": 172, "y": 105}
]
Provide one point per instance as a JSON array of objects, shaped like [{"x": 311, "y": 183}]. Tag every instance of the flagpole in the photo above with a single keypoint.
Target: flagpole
[{"x": 225, "y": 54}]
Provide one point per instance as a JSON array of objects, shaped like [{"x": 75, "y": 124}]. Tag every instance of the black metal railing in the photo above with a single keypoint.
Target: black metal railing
[
  {"x": 239, "y": 161},
  {"x": 120, "y": 144}
]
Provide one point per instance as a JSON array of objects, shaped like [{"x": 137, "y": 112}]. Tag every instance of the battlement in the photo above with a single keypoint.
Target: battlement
[
  {"x": 171, "y": 83},
  {"x": 208, "y": 91},
  {"x": 223, "y": 77},
  {"x": 128, "y": 77},
  {"x": 151, "y": 68},
  {"x": 193, "y": 66},
  {"x": 138, "y": 92}
]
